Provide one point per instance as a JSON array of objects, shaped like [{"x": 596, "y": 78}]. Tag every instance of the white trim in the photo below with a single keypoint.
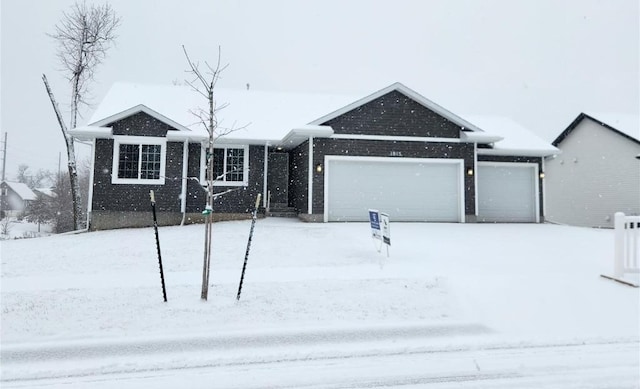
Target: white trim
[
  {"x": 396, "y": 138},
  {"x": 91, "y": 178},
  {"x": 536, "y": 175},
  {"x": 310, "y": 178},
  {"x": 138, "y": 140},
  {"x": 203, "y": 164},
  {"x": 185, "y": 161},
  {"x": 475, "y": 177},
  {"x": 479, "y": 137},
  {"x": 245, "y": 162},
  {"x": 459, "y": 162},
  {"x": 409, "y": 93},
  {"x": 265, "y": 181},
  {"x": 179, "y": 136},
  {"x": 91, "y": 132},
  {"x": 518, "y": 152},
  {"x": 544, "y": 188}
]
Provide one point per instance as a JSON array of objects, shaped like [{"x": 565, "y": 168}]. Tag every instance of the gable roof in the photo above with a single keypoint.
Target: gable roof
[
  {"x": 22, "y": 190},
  {"x": 399, "y": 87},
  {"x": 626, "y": 125}
]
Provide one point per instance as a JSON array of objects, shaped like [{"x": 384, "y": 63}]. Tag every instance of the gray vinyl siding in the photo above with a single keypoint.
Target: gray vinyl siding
[
  {"x": 596, "y": 175},
  {"x": 394, "y": 114},
  {"x": 375, "y": 148},
  {"x": 536, "y": 160}
]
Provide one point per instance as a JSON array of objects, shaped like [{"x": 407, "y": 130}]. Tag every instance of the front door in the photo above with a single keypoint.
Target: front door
[{"x": 278, "y": 179}]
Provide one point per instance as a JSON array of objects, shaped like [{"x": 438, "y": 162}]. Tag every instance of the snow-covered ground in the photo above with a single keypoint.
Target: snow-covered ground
[
  {"x": 482, "y": 303},
  {"x": 22, "y": 229}
]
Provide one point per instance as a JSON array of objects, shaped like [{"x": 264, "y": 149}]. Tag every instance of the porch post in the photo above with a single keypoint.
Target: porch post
[{"x": 310, "y": 178}]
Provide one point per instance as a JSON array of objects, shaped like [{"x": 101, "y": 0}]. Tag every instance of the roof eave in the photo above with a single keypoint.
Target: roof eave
[
  {"x": 520, "y": 152},
  {"x": 91, "y": 132},
  {"x": 297, "y": 136}
]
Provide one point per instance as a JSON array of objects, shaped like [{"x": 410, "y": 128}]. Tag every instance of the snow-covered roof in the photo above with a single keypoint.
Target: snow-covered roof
[
  {"x": 21, "y": 190},
  {"x": 47, "y": 192},
  {"x": 285, "y": 118},
  {"x": 516, "y": 139},
  {"x": 258, "y": 116}
]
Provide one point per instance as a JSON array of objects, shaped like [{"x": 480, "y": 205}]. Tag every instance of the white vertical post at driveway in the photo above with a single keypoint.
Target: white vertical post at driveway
[{"x": 626, "y": 251}]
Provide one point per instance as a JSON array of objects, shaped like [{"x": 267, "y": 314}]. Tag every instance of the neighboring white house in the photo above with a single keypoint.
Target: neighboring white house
[
  {"x": 15, "y": 196},
  {"x": 597, "y": 173}
]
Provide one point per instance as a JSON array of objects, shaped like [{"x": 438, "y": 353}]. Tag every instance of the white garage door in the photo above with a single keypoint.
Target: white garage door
[
  {"x": 507, "y": 192},
  {"x": 407, "y": 189}
]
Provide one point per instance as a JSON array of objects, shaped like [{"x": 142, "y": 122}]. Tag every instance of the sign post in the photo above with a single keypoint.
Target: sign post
[
  {"x": 155, "y": 227},
  {"x": 380, "y": 228},
  {"x": 386, "y": 230}
]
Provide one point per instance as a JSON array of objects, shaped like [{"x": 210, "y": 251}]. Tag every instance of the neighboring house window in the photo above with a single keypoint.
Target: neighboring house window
[
  {"x": 230, "y": 166},
  {"x": 138, "y": 160}
]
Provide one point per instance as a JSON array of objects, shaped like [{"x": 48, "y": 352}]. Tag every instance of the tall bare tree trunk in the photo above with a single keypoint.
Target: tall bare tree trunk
[
  {"x": 210, "y": 180},
  {"x": 71, "y": 157}
]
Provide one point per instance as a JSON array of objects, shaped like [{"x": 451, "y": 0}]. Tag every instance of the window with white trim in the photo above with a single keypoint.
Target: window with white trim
[
  {"x": 138, "y": 160},
  {"x": 230, "y": 166}
]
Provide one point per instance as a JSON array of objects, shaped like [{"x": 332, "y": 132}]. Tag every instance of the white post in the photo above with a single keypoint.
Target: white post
[{"x": 618, "y": 252}]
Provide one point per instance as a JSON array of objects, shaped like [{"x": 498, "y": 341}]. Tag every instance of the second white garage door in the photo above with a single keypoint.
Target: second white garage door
[
  {"x": 407, "y": 189},
  {"x": 507, "y": 192}
]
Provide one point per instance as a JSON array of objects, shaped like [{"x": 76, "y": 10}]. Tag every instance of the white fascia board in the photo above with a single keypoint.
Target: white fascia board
[
  {"x": 396, "y": 138},
  {"x": 518, "y": 152},
  {"x": 301, "y": 134},
  {"x": 479, "y": 137},
  {"x": 408, "y": 92},
  {"x": 242, "y": 141},
  {"x": 181, "y": 136},
  {"x": 91, "y": 132}
]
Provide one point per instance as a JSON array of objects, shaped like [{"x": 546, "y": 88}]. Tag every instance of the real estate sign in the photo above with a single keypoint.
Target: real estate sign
[
  {"x": 374, "y": 220},
  {"x": 386, "y": 228}
]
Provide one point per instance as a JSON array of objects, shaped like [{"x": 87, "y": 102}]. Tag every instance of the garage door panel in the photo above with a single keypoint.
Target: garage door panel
[
  {"x": 507, "y": 193},
  {"x": 408, "y": 191}
]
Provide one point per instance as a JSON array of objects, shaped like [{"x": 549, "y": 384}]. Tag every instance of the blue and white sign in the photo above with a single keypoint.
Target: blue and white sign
[{"x": 374, "y": 220}]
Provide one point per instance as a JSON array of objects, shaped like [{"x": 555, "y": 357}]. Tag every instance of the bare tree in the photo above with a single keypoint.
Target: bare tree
[
  {"x": 35, "y": 180},
  {"x": 204, "y": 83},
  {"x": 84, "y": 36}
]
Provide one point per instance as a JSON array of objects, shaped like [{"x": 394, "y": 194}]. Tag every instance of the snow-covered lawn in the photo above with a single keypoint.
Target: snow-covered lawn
[
  {"x": 521, "y": 283},
  {"x": 22, "y": 229}
]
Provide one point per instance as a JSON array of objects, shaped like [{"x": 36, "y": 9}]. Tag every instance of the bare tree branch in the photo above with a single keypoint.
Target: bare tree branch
[{"x": 83, "y": 36}]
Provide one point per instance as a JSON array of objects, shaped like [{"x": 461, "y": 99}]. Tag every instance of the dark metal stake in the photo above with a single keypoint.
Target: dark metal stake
[
  {"x": 246, "y": 255},
  {"x": 155, "y": 227}
]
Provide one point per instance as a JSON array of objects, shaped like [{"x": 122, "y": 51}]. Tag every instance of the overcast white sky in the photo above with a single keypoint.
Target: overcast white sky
[{"x": 539, "y": 62}]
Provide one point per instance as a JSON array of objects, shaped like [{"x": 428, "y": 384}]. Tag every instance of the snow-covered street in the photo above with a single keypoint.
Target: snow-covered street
[{"x": 455, "y": 305}]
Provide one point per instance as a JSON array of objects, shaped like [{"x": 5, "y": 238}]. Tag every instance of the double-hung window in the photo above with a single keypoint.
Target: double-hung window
[
  {"x": 230, "y": 165},
  {"x": 138, "y": 160}
]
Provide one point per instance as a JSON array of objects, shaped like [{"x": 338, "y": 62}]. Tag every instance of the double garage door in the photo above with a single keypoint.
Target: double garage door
[
  {"x": 405, "y": 188},
  {"x": 430, "y": 190}
]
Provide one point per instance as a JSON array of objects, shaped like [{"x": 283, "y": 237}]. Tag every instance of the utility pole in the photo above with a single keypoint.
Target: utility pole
[
  {"x": 4, "y": 165},
  {"x": 4, "y": 156}
]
